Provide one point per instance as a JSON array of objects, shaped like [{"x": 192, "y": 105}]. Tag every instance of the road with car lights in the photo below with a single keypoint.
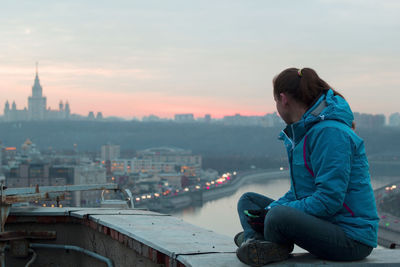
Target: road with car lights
[{"x": 196, "y": 195}]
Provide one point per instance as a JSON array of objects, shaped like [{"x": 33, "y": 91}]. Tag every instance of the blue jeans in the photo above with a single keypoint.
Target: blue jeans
[{"x": 288, "y": 226}]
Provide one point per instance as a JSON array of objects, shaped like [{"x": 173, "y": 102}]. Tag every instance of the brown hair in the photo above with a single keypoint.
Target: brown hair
[{"x": 304, "y": 85}]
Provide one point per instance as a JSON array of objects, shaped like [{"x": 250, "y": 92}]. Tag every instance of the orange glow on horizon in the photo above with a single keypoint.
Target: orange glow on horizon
[
  {"x": 68, "y": 83},
  {"x": 134, "y": 104}
]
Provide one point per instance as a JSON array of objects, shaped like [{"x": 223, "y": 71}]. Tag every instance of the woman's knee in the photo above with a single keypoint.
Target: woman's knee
[
  {"x": 251, "y": 200},
  {"x": 248, "y": 196},
  {"x": 244, "y": 198}
]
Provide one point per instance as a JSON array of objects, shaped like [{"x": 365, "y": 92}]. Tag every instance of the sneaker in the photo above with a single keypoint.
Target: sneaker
[
  {"x": 239, "y": 238},
  {"x": 259, "y": 253}
]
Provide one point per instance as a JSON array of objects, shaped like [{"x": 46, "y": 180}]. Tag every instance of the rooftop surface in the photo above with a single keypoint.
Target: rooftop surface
[{"x": 170, "y": 240}]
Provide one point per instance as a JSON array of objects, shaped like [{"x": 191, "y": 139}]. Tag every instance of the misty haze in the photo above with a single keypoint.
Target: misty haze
[{"x": 126, "y": 127}]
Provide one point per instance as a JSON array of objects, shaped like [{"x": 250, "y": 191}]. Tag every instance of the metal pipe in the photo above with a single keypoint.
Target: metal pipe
[
  {"x": 129, "y": 193},
  {"x": 61, "y": 188},
  {"x": 76, "y": 248},
  {"x": 32, "y": 259},
  {"x": 3, "y": 247}
]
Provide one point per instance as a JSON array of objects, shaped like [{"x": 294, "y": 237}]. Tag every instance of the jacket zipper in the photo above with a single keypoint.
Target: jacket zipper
[{"x": 291, "y": 160}]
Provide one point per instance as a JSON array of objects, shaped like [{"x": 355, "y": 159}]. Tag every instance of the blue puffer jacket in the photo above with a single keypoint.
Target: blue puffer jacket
[{"x": 329, "y": 170}]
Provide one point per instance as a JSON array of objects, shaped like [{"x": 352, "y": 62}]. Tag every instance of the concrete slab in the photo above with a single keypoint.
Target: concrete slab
[
  {"x": 39, "y": 211},
  {"x": 112, "y": 211},
  {"x": 379, "y": 257},
  {"x": 78, "y": 212},
  {"x": 215, "y": 260},
  {"x": 168, "y": 234}
]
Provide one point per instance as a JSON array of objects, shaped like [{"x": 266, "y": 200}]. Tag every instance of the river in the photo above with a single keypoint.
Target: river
[{"x": 220, "y": 215}]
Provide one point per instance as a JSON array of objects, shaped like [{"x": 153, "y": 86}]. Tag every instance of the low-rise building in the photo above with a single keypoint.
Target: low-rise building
[
  {"x": 184, "y": 117},
  {"x": 110, "y": 152},
  {"x": 370, "y": 121},
  {"x": 268, "y": 120},
  {"x": 88, "y": 174},
  {"x": 394, "y": 119}
]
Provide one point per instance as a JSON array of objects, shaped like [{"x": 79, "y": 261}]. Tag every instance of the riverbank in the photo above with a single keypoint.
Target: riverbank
[
  {"x": 389, "y": 224},
  {"x": 197, "y": 197}
]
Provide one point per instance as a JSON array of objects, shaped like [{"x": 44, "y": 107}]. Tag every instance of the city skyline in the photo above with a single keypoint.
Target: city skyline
[{"x": 201, "y": 58}]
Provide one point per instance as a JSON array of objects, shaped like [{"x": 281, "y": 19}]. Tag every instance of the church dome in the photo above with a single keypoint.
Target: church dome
[{"x": 28, "y": 142}]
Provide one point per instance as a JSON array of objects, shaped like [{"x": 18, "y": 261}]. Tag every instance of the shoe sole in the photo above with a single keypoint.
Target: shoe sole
[{"x": 261, "y": 253}]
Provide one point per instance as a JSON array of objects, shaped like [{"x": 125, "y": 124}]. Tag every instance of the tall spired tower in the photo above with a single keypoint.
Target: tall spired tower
[{"x": 37, "y": 102}]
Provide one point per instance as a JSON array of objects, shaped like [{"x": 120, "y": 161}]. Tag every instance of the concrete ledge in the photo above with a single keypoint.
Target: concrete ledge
[
  {"x": 379, "y": 257},
  {"x": 169, "y": 241}
]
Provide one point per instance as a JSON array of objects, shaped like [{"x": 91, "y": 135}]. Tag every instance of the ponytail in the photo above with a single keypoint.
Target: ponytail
[{"x": 304, "y": 85}]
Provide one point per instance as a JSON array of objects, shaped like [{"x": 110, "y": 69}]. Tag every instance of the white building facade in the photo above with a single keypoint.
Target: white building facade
[{"x": 37, "y": 107}]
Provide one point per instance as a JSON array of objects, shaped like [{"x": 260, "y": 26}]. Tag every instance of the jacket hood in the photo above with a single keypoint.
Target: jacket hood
[{"x": 327, "y": 107}]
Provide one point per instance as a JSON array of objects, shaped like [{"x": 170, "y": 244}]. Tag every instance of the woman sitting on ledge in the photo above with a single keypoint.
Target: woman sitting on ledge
[{"x": 330, "y": 208}]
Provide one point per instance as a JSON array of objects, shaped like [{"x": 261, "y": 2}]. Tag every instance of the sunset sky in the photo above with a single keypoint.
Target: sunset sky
[{"x": 135, "y": 58}]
